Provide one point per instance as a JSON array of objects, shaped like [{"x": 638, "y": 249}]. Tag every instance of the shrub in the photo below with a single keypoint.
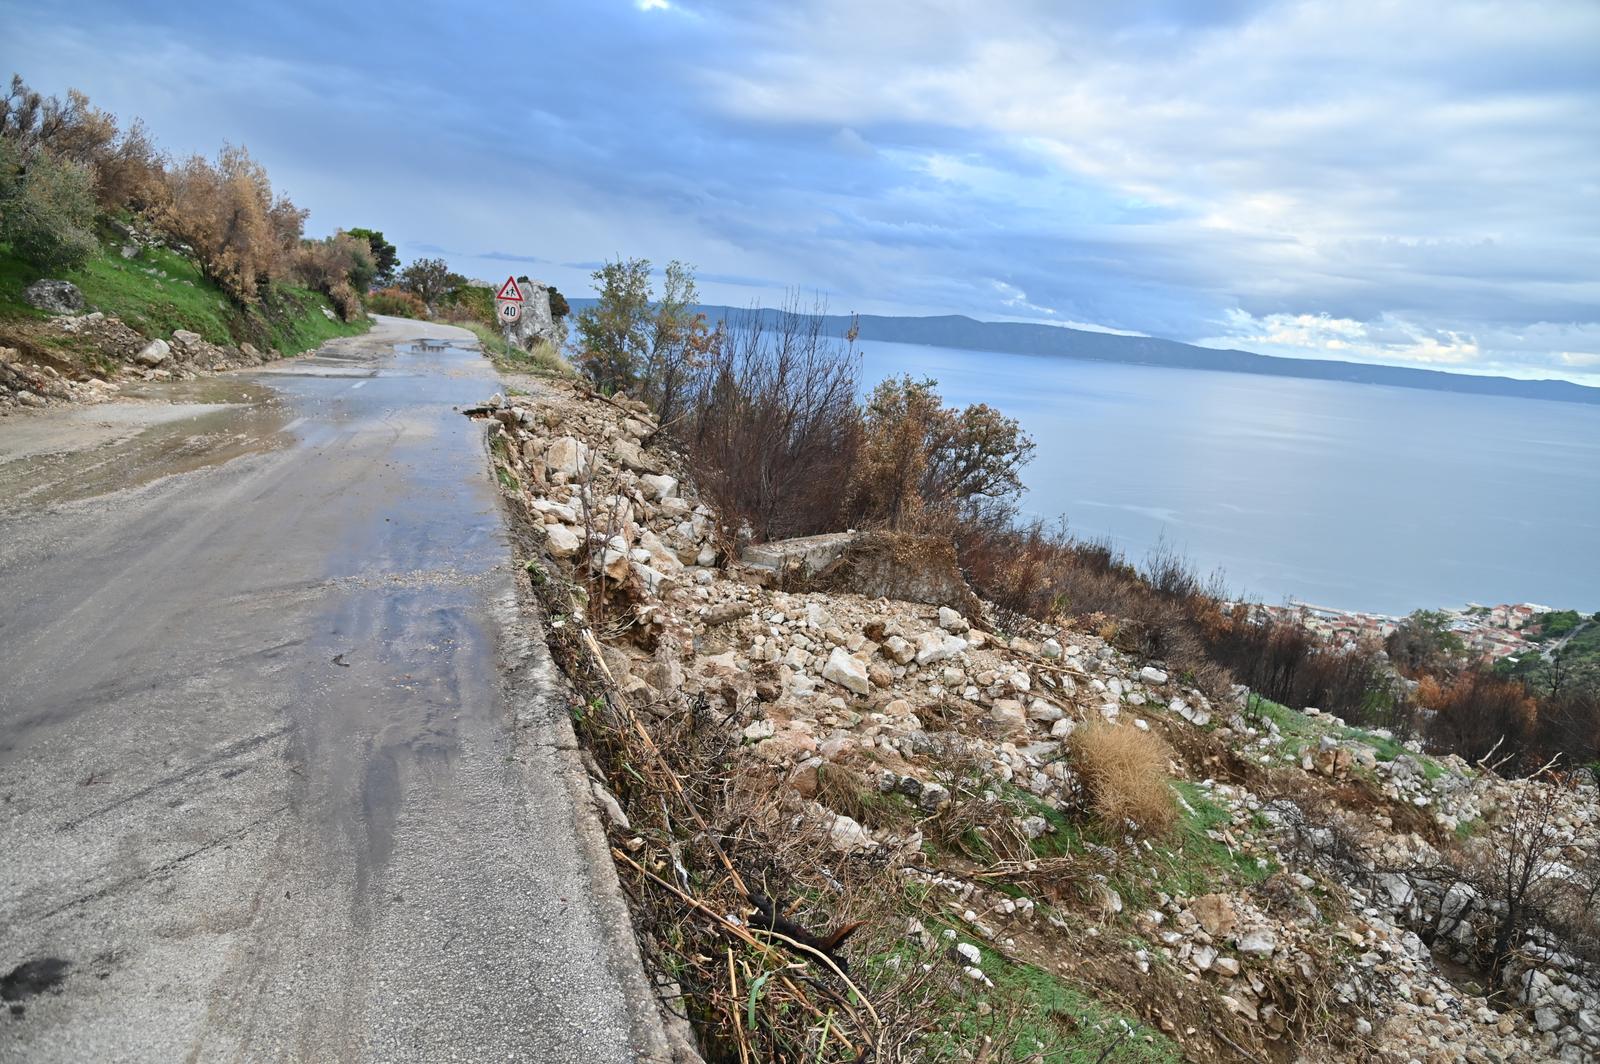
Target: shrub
[
  {"x": 385, "y": 257},
  {"x": 771, "y": 415},
  {"x": 429, "y": 280},
  {"x": 1123, "y": 772},
  {"x": 1479, "y": 713},
  {"x": 921, "y": 460},
  {"x": 339, "y": 266},
  {"x": 46, "y": 208},
  {"x": 467, "y": 302},
  {"x": 242, "y": 236},
  {"x": 398, "y": 302},
  {"x": 613, "y": 335}
]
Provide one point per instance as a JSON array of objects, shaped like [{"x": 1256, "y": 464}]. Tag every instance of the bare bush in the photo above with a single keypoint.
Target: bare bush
[
  {"x": 771, "y": 418},
  {"x": 340, "y": 267},
  {"x": 1124, "y": 776},
  {"x": 920, "y": 460},
  {"x": 1478, "y": 713}
]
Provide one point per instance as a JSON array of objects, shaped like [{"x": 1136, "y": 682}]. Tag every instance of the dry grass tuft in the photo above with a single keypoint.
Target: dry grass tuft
[{"x": 1124, "y": 776}]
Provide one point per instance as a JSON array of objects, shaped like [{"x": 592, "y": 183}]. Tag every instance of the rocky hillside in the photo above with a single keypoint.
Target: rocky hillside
[
  {"x": 139, "y": 310},
  {"x": 859, "y": 819}
]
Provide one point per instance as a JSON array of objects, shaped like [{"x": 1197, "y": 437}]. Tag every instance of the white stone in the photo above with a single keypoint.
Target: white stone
[
  {"x": 153, "y": 353},
  {"x": 566, "y": 455},
  {"x": 847, "y": 671},
  {"x": 563, "y": 541},
  {"x": 757, "y": 730},
  {"x": 938, "y": 646},
  {"x": 899, "y": 649},
  {"x": 846, "y": 835},
  {"x": 952, "y": 621},
  {"x": 969, "y": 953},
  {"x": 1259, "y": 943},
  {"x": 1151, "y": 674},
  {"x": 658, "y": 486}
]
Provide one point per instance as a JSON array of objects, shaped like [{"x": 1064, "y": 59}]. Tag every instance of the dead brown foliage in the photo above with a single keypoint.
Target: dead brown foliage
[
  {"x": 1124, "y": 775},
  {"x": 242, "y": 234}
]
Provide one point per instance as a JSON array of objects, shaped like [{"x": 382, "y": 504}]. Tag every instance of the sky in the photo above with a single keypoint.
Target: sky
[{"x": 1413, "y": 184}]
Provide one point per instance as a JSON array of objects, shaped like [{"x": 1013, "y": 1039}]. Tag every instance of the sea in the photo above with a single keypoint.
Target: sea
[{"x": 1349, "y": 496}]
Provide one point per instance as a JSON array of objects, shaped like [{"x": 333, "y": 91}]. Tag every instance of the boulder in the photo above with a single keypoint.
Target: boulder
[
  {"x": 899, "y": 649},
  {"x": 938, "y": 646},
  {"x": 536, "y": 325},
  {"x": 54, "y": 297},
  {"x": 847, "y": 671},
  {"x": 153, "y": 353},
  {"x": 1151, "y": 674},
  {"x": 1260, "y": 942},
  {"x": 658, "y": 486},
  {"x": 1215, "y": 913},
  {"x": 566, "y": 455},
  {"x": 562, "y": 540}
]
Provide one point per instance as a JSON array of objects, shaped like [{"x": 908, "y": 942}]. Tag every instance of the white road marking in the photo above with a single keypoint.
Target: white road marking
[
  {"x": 296, "y": 423},
  {"x": 356, "y": 385}
]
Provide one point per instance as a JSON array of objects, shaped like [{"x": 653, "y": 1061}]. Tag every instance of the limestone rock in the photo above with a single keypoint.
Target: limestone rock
[
  {"x": 1151, "y": 674},
  {"x": 847, "y": 671},
  {"x": 54, "y": 297},
  {"x": 566, "y": 455},
  {"x": 153, "y": 353},
  {"x": 1215, "y": 913},
  {"x": 563, "y": 541},
  {"x": 938, "y": 646}
]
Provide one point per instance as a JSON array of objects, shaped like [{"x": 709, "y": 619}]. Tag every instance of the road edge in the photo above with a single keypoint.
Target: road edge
[{"x": 532, "y": 681}]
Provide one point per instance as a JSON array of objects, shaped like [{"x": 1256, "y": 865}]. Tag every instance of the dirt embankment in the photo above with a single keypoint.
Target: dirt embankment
[{"x": 857, "y": 820}]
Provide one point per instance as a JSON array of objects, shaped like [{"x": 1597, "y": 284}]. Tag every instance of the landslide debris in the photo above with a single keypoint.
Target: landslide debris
[{"x": 791, "y": 739}]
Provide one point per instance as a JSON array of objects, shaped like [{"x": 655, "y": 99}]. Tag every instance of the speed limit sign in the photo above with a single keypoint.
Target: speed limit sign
[{"x": 510, "y": 312}]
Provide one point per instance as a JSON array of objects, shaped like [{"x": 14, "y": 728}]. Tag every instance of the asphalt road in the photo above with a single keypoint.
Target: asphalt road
[{"x": 282, "y": 775}]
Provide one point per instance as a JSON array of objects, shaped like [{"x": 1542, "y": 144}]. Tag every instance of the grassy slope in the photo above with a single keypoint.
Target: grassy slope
[
  {"x": 544, "y": 359},
  {"x": 160, "y": 292}
]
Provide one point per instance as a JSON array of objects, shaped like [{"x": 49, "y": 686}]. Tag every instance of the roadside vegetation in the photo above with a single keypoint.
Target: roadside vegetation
[
  {"x": 199, "y": 244},
  {"x": 768, "y": 410}
]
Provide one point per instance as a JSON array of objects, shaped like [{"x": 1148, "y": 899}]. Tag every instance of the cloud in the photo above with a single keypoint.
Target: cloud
[
  {"x": 506, "y": 256},
  {"x": 1290, "y": 175}
]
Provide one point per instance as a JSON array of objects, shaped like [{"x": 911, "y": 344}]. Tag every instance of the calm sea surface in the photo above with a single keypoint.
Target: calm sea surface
[{"x": 1346, "y": 495}]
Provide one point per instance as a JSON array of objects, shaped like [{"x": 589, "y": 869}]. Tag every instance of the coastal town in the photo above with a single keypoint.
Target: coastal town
[{"x": 1488, "y": 632}]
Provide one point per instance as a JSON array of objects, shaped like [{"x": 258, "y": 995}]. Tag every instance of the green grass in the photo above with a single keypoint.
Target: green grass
[
  {"x": 1035, "y": 1016},
  {"x": 544, "y": 359},
  {"x": 1186, "y": 861},
  {"x": 160, "y": 292},
  {"x": 1301, "y": 733}
]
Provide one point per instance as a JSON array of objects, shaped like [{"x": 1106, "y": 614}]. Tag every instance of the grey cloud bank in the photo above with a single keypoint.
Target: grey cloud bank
[{"x": 1353, "y": 181}]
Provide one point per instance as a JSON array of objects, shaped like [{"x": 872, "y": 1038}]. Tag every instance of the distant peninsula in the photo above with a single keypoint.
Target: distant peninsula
[{"x": 1058, "y": 341}]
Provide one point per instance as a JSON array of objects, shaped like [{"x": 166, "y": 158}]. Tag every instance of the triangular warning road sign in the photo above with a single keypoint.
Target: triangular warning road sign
[{"x": 509, "y": 291}]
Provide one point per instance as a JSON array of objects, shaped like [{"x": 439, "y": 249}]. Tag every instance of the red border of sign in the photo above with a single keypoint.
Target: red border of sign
[{"x": 511, "y": 286}]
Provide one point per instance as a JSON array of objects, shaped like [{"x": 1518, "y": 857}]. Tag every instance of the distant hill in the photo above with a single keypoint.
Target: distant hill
[{"x": 1056, "y": 341}]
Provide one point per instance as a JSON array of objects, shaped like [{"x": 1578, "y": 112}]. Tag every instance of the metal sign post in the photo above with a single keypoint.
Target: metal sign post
[{"x": 508, "y": 305}]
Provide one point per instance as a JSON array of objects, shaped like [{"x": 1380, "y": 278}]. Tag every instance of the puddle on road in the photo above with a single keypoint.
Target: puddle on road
[
  {"x": 91, "y": 451},
  {"x": 31, "y": 978}
]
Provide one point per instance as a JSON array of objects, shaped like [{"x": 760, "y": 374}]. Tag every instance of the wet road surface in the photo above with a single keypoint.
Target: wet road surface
[{"x": 278, "y": 777}]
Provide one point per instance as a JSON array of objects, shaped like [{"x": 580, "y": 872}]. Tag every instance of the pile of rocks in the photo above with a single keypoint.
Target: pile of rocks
[
  {"x": 186, "y": 355},
  {"x": 879, "y": 685},
  {"x": 24, "y": 386}
]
